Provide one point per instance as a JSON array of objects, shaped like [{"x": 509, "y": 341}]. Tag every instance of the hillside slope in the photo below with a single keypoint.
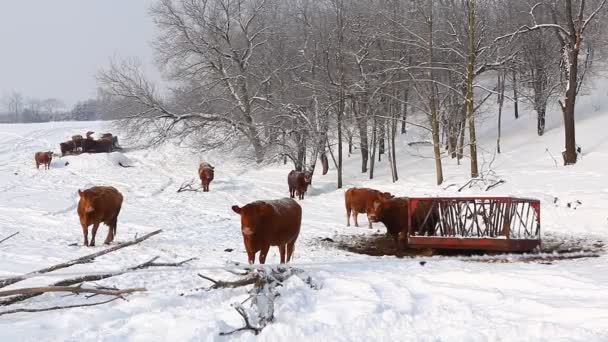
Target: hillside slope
[{"x": 360, "y": 297}]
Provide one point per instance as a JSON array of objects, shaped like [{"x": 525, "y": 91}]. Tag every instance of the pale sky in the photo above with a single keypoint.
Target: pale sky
[{"x": 54, "y": 48}]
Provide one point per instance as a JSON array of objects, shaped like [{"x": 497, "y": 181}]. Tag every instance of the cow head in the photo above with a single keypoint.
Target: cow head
[
  {"x": 85, "y": 202},
  {"x": 308, "y": 177},
  {"x": 375, "y": 212},
  {"x": 251, "y": 216}
]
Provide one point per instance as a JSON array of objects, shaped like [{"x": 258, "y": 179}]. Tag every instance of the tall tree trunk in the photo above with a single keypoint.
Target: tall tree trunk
[
  {"x": 570, "y": 155},
  {"x": 540, "y": 121},
  {"x": 470, "y": 98},
  {"x": 361, "y": 120},
  {"x": 433, "y": 103},
  {"x": 463, "y": 128},
  {"x": 392, "y": 132},
  {"x": 515, "y": 100},
  {"x": 501, "y": 100},
  {"x": 374, "y": 145},
  {"x": 406, "y": 93}
]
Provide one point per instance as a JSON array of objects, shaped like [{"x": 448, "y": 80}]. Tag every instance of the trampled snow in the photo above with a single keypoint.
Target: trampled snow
[{"x": 360, "y": 297}]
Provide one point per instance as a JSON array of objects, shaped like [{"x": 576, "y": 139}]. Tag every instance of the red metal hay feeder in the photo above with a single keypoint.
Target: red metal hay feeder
[{"x": 503, "y": 224}]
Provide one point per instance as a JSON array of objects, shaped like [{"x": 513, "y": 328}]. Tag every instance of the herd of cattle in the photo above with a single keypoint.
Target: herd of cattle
[
  {"x": 106, "y": 144},
  {"x": 263, "y": 223}
]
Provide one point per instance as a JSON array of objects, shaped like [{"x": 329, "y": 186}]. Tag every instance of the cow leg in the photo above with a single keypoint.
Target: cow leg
[
  {"x": 282, "y": 252},
  {"x": 93, "y": 233},
  {"x": 348, "y": 217},
  {"x": 290, "y": 248},
  {"x": 251, "y": 257},
  {"x": 355, "y": 214},
  {"x": 37, "y": 166},
  {"x": 111, "y": 231},
  {"x": 369, "y": 222},
  {"x": 85, "y": 233},
  {"x": 263, "y": 254}
]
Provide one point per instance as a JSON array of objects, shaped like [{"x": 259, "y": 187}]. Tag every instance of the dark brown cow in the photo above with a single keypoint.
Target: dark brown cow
[
  {"x": 99, "y": 204},
  {"x": 298, "y": 182},
  {"x": 77, "y": 139},
  {"x": 67, "y": 147},
  {"x": 270, "y": 223},
  {"x": 97, "y": 146},
  {"x": 205, "y": 173},
  {"x": 43, "y": 158},
  {"x": 394, "y": 213},
  {"x": 360, "y": 201}
]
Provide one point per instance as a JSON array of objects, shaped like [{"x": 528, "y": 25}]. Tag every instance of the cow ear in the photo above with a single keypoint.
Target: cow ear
[
  {"x": 80, "y": 193},
  {"x": 236, "y": 209}
]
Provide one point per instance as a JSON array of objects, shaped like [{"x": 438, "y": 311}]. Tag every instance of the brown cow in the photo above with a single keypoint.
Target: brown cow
[
  {"x": 270, "y": 223},
  {"x": 99, "y": 204},
  {"x": 67, "y": 147},
  {"x": 43, "y": 158},
  {"x": 97, "y": 146},
  {"x": 205, "y": 173},
  {"x": 394, "y": 213},
  {"x": 360, "y": 201},
  {"x": 298, "y": 182}
]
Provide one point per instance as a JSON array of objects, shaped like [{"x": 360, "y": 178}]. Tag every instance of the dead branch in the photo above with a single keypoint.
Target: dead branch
[
  {"x": 92, "y": 277},
  {"x": 247, "y": 326},
  {"x": 187, "y": 186},
  {"x": 57, "y": 307},
  {"x": 495, "y": 184},
  {"x": 71, "y": 289},
  {"x": 82, "y": 260},
  {"x": 8, "y": 237},
  {"x": 467, "y": 183},
  {"x": 120, "y": 163},
  {"x": 219, "y": 284},
  {"x": 263, "y": 294}
]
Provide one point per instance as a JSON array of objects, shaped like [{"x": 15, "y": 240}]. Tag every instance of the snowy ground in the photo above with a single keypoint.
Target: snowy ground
[{"x": 360, "y": 297}]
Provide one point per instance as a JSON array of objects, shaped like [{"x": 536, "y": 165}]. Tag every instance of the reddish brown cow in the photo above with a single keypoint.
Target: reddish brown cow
[
  {"x": 99, "y": 204},
  {"x": 360, "y": 201},
  {"x": 97, "y": 146},
  {"x": 43, "y": 158},
  {"x": 205, "y": 173},
  {"x": 394, "y": 214},
  {"x": 298, "y": 182},
  {"x": 270, "y": 223}
]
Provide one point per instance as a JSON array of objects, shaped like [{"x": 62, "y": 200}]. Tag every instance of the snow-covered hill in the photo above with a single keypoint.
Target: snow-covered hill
[{"x": 360, "y": 297}]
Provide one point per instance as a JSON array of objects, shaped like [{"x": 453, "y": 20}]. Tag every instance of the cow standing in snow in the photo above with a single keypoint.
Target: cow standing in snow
[
  {"x": 298, "y": 182},
  {"x": 99, "y": 204},
  {"x": 360, "y": 201},
  {"x": 205, "y": 173},
  {"x": 270, "y": 223},
  {"x": 43, "y": 158}
]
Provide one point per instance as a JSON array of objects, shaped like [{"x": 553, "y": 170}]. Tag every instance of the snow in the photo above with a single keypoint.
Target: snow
[{"x": 359, "y": 297}]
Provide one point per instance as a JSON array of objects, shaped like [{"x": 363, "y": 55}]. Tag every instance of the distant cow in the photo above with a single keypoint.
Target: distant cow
[
  {"x": 99, "y": 204},
  {"x": 205, "y": 173},
  {"x": 77, "y": 139},
  {"x": 97, "y": 146},
  {"x": 270, "y": 223},
  {"x": 106, "y": 136},
  {"x": 67, "y": 147},
  {"x": 43, "y": 158},
  {"x": 298, "y": 182},
  {"x": 360, "y": 201},
  {"x": 394, "y": 214}
]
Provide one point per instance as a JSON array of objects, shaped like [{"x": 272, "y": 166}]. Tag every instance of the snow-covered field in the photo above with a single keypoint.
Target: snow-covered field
[{"x": 360, "y": 298}]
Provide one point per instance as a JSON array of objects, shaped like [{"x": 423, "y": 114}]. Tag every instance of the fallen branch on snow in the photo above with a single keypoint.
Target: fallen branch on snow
[
  {"x": 82, "y": 260},
  {"x": 263, "y": 294},
  {"x": 71, "y": 289},
  {"x": 8, "y": 237},
  {"x": 187, "y": 186},
  {"x": 495, "y": 184},
  {"x": 8, "y": 312},
  {"x": 93, "y": 277}
]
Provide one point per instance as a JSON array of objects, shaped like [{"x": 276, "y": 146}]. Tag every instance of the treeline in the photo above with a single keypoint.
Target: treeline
[{"x": 298, "y": 79}]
